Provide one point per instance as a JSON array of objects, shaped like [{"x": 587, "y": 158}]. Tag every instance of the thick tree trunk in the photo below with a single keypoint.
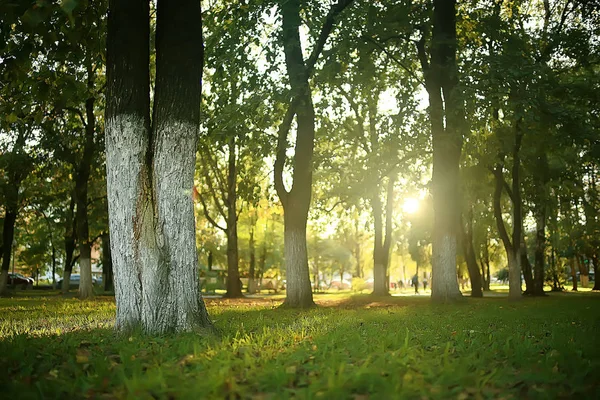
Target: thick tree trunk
[
  {"x": 441, "y": 77},
  {"x": 150, "y": 173},
  {"x": 234, "y": 285},
  {"x": 298, "y": 288},
  {"x": 8, "y": 234}
]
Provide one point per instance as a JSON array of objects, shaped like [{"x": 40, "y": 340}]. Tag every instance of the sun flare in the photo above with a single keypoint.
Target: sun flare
[{"x": 410, "y": 205}]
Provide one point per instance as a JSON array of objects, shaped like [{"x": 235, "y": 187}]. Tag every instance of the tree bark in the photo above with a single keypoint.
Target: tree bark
[
  {"x": 69, "y": 243},
  {"x": 513, "y": 253},
  {"x": 526, "y": 268},
  {"x": 379, "y": 288},
  {"x": 252, "y": 272},
  {"x": 8, "y": 234},
  {"x": 234, "y": 287},
  {"x": 81, "y": 196},
  {"x": 107, "y": 267},
  {"x": 441, "y": 78},
  {"x": 150, "y": 172},
  {"x": 16, "y": 171},
  {"x": 469, "y": 252}
]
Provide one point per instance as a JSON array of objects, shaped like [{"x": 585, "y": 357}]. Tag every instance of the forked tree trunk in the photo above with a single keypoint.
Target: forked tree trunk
[
  {"x": 513, "y": 253},
  {"x": 296, "y": 202},
  {"x": 447, "y": 122},
  {"x": 150, "y": 173}
]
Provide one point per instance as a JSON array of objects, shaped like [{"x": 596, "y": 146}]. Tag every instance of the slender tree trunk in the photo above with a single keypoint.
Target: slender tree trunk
[
  {"x": 234, "y": 286},
  {"x": 107, "y": 267},
  {"x": 526, "y": 267},
  {"x": 298, "y": 289},
  {"x": 359, "y": 272},
  {"x": 573, "y": 272},
  {"x": 540, "y": 249},
  {"x": 379, "y": 288},
  {"x": 69, "y": 243},
  {"x": 595, "y": 261},
  {"x": 512, "y": 251},
  {"x": 150, "y": 172},
  {"x": 8, "y": 234},
  {"x": 469, "y": 252},
  {"x": 252, "y": 272},
  {"x": 81, "y": 196}
]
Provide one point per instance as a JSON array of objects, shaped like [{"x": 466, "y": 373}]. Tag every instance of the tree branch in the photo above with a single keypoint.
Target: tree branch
[{"x": 395, "y": 59}]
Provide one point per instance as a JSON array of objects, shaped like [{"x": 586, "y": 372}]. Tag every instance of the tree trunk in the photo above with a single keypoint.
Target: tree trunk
[
  {"x": 526, "y": 268},
  {"x": 512, "y": 252},
  {"x": 234, "y": 285},
  {"x": 379, "y": 288},
  {"x": 441, "y": 77},
  {"x": 252, "y": 272},
  {"x": 540, "y": 249},
  {"x": 150, "y": 173},
  {"x": 595, "y": 261},
  {"x": 107, "y": 267},
  {"x": 69, "y": 243},
  {"x": 296, "y": 202},
  {"x": 81, "y": 197},
  {"x": 573, "y": 272},
  {"x": 8, "y": 234},
  {"x": 359, "y": 272},
  {"x": 469, "y": 252},
  {"x": 298, "y": 288}
]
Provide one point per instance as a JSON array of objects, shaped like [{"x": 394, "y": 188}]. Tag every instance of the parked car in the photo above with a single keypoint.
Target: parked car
[
  {"x": 74, "y": 281},
  {"x": 19, "y": 281}
]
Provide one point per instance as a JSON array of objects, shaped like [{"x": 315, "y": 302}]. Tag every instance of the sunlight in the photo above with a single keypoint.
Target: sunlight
[{"x": 410, "y": 205}]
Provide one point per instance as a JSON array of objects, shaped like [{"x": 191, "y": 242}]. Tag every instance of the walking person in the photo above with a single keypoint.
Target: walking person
[{"x": 415, "y": 283}]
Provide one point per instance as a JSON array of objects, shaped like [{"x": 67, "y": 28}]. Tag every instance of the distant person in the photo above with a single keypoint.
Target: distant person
[
  {"x": 424, "y": 282},
  {"x": 400, "y": 284},
  {"x": 415, "y": 283}
]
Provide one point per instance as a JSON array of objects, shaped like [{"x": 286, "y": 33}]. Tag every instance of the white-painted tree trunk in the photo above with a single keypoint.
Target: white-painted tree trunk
[
  {"x": 153, "y": 229},
  {"x": 444, "y": 285},
  {"x": 86, "y": 288},
  {"x": 298, "y": 289},
  {"x": 514, "y": 274}
]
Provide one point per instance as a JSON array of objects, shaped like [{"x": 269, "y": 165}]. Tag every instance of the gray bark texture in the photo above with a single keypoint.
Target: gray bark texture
[{"x": 150, "y": 171}]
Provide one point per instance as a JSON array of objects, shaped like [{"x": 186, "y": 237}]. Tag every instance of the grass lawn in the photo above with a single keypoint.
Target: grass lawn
[{"x": 351, "y": 347}]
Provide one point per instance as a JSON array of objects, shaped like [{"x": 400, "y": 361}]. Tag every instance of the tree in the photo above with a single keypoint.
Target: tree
[
  {"x": 296, "y": 201},
  {"x": 446, "y": 116},
  {"x": 150, "y": 168}
]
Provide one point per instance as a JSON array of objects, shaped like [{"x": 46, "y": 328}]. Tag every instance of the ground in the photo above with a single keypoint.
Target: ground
[{"x": 351, "y": 347}]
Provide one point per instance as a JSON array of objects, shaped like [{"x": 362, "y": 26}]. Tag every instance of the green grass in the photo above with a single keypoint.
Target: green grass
[{"x": 350, "y": 347}]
